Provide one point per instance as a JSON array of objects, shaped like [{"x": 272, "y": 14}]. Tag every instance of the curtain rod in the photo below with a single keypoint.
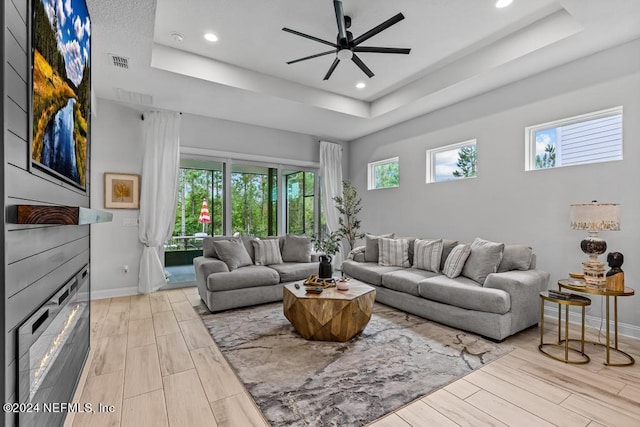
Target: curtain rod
[{"x": 142, "y": 116}]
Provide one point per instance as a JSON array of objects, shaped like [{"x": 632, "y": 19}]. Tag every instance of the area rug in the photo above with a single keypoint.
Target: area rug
[{"x": 395, "y": 360}]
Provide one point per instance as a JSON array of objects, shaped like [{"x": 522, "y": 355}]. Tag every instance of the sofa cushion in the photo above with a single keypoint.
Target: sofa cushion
[
  {"x": 371, "y": 253},
  {"x": 515, "y": 257},
  {"x": 296, "y": 249},
  {"x": 369, "y": 272},
  {"x": 405, "y": 280},
  {"x": 455, "y": 261},
  {"x": 245, "y": 277},
  {"x": 427, "y": 254},
  {"x": 267, "y": 251},
  {"x": 233, "y": 253},
  {"x": 447, "y": 247},
  {"x": 208, "y": 250},
  {"x": 290, "y": 271},
  {"x": 393, "y": 252},
  {"x": 483, "y": 260},
  {"x": 465, "y": 293}
]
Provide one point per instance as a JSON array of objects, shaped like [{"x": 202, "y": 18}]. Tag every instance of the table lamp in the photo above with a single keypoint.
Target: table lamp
[{"x": 594, "y": 217}]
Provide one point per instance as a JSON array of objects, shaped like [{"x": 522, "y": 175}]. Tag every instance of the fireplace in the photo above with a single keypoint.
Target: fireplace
[{"x": 52, "y": 347}]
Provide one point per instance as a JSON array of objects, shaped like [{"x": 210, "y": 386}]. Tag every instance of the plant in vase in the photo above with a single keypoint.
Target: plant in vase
[
  {"x": 328, "y": 245},
  {"x": 349, "y": 206}
]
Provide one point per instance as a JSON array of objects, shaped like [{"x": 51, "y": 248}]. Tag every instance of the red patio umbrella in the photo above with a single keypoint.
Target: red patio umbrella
[{"x": 204, "y": 215}]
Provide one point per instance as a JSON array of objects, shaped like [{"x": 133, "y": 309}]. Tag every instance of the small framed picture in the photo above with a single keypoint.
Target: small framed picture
[{"x": 121, "y": 191}]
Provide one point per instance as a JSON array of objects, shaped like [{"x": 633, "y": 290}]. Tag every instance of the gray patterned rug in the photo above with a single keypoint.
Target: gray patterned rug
[{"x": 395, "y": 360}]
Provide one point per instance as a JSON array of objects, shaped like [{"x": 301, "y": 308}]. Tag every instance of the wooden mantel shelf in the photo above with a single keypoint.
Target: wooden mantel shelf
[{"x": 61, "y": 215}]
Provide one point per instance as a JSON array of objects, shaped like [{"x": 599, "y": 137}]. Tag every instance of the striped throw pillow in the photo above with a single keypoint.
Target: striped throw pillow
[
  {"x": 393, "y": 252},
  {"x": 267, "y": 251},
  {"x": 455, "y": 261},
  {"x": 427, "y": 254}
]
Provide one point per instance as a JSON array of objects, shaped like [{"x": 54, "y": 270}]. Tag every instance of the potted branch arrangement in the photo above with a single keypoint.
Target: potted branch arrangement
[{"x": 328, "y": 245}]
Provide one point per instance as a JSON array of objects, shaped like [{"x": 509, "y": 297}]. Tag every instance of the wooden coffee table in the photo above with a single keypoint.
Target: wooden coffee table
[{"x": 332, "y": 315}]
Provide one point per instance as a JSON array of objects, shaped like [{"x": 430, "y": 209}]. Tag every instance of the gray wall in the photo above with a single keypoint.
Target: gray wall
[
  {"x": 37, "y": 259},
  {"x": 505, "y": 203},
  {"x": 117, "y": 147}
]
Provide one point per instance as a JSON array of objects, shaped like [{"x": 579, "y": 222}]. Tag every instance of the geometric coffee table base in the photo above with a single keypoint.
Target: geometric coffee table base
[{"x": 332, "y": 315}]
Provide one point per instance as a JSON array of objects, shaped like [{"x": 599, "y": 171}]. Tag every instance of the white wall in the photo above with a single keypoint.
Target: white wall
[
  {"x": 116, "y": 146},
  {"x": 505, "y": 203}
]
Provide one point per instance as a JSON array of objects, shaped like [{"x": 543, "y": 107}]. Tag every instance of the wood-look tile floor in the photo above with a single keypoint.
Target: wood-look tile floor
[{"x": 153, "y": 359}]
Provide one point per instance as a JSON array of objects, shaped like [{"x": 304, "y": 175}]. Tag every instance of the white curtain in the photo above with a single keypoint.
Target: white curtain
[
  {"x": 159, "y": 185},
  {"x": 331, "y": 179}
]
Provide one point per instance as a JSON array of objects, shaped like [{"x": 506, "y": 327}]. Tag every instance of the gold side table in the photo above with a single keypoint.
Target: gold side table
[
  {"x": 576, "y": 301},
  {"x": 579, "y": 287}
]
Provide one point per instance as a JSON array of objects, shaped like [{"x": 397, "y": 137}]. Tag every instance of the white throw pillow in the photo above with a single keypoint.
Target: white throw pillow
[
  {"x": 455, "y": 261},
  {"x": 267, "y": 251},
  {"x": 393, "y": 252},
  {"x": 427, "y": 254}
]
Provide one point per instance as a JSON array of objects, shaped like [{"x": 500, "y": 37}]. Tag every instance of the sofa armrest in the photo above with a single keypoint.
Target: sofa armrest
[
  {"x": 205, "y": 266},
  {"x": 524, "y": 289},
  {"x": 357, "y": 254}
]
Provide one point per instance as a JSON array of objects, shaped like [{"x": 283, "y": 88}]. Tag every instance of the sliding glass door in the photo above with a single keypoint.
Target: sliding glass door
[
  {"x": 254, "y": 200},
  {"x": 301, "y": 202}
]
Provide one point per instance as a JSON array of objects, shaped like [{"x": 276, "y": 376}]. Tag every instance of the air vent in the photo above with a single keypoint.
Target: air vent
[
  {"x": 119, "y": 61},
  {"x": 133, "y": 97}
]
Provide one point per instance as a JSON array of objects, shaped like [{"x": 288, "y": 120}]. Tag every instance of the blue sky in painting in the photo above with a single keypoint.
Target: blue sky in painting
[{"x": 73, "y": 33}]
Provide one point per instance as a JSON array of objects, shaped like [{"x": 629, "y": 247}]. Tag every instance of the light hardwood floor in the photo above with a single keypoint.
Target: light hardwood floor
[{"x": 153, "y": 359}]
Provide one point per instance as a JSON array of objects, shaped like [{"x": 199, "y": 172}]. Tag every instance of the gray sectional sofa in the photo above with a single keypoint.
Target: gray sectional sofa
[
  {"x": 494, "y": 295},
  {"x": 231, "y": 279}
]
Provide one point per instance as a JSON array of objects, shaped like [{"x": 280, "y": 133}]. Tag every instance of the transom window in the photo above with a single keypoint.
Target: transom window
[
  {"x": 588, "y": 138},
  {"x": 451, "y": 162},
  {"x": 384, "y": 174}
]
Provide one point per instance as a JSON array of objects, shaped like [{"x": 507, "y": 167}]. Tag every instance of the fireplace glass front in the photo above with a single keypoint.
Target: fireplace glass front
[{"x": 52, "y": 346}]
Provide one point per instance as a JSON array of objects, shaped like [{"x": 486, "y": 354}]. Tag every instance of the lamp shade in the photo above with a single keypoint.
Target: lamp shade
[
  {"x": 595, "y": 216},
  {"x": 204, "y": 213}
]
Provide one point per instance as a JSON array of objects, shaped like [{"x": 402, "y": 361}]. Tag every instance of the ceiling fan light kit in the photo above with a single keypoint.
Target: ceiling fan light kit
[{"x": 346, "y": 46}]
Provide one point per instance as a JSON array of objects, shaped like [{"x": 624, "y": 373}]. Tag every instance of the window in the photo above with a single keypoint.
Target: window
[
  {"x": 455, "y": 161},
  {"x": 588, "y": 138},
  {"x": 254, "y": 200},
  {"x": 300, "y": 210},
  {"x": 384, "y": 174}
]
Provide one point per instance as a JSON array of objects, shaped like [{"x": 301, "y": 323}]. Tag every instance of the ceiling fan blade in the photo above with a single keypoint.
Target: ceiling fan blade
[
  {"x": 333, "y": 67},
  {"x": 375, "y": 30},
  {"x": 312, "y": 56},
  {"x": 342, "y": 30},
  {"x": 307, "y": 36},
  {"x": 368, "y": 49},
  {"x": 361, "y": 65}
]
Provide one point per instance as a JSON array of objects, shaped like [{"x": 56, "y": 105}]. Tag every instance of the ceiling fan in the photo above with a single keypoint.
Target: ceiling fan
[{"x": 346, "y": 46}]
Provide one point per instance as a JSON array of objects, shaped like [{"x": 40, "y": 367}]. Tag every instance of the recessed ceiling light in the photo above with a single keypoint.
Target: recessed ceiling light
[
  {"x": 503, "y": 3},
  {"x": 211, "y": 37},
  {"x": 361, "y": 85}
]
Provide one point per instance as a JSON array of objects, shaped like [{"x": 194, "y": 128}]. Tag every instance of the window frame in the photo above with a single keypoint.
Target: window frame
[
  {"x": 530, "y": 135},
  {"x": 371, "y": 176},
  {"x": 430, "y": 160}
]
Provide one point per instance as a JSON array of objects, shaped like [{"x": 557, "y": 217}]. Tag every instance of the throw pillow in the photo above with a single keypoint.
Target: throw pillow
[
  {"x": 427, "y": 254},
  {"x": 393, "y": 252},
  {"x": 267, "y": 251},
  {"x": 208, "y": 249},
  {"x": 455, "y": 261},
  {"x": 515, "y": 257},
  {"x": 233, "y": 253},
  {"x": 371, "y": 253},
  {"x": 296, "y": 249},
  {"x": 483, "y": 260}
]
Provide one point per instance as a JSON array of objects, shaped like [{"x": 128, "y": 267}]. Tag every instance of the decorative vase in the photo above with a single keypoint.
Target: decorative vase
[{"x": 325, "y": 269}]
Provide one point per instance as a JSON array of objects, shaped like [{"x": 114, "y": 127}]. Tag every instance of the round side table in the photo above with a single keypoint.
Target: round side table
[
  {"x": 573, "y": 300},
  {"x": 609, "y": 348}
]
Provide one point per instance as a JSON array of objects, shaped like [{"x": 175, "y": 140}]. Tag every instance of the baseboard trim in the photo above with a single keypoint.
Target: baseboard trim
[
  {"x": 624, "y": 329},
  {"x": 113, "y": 293}
]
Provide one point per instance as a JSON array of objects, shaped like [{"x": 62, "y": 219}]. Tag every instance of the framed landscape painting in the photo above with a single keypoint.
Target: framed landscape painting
[
  {"x": 121, "y": 191},
  {"x": 61, "y": 88}
]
